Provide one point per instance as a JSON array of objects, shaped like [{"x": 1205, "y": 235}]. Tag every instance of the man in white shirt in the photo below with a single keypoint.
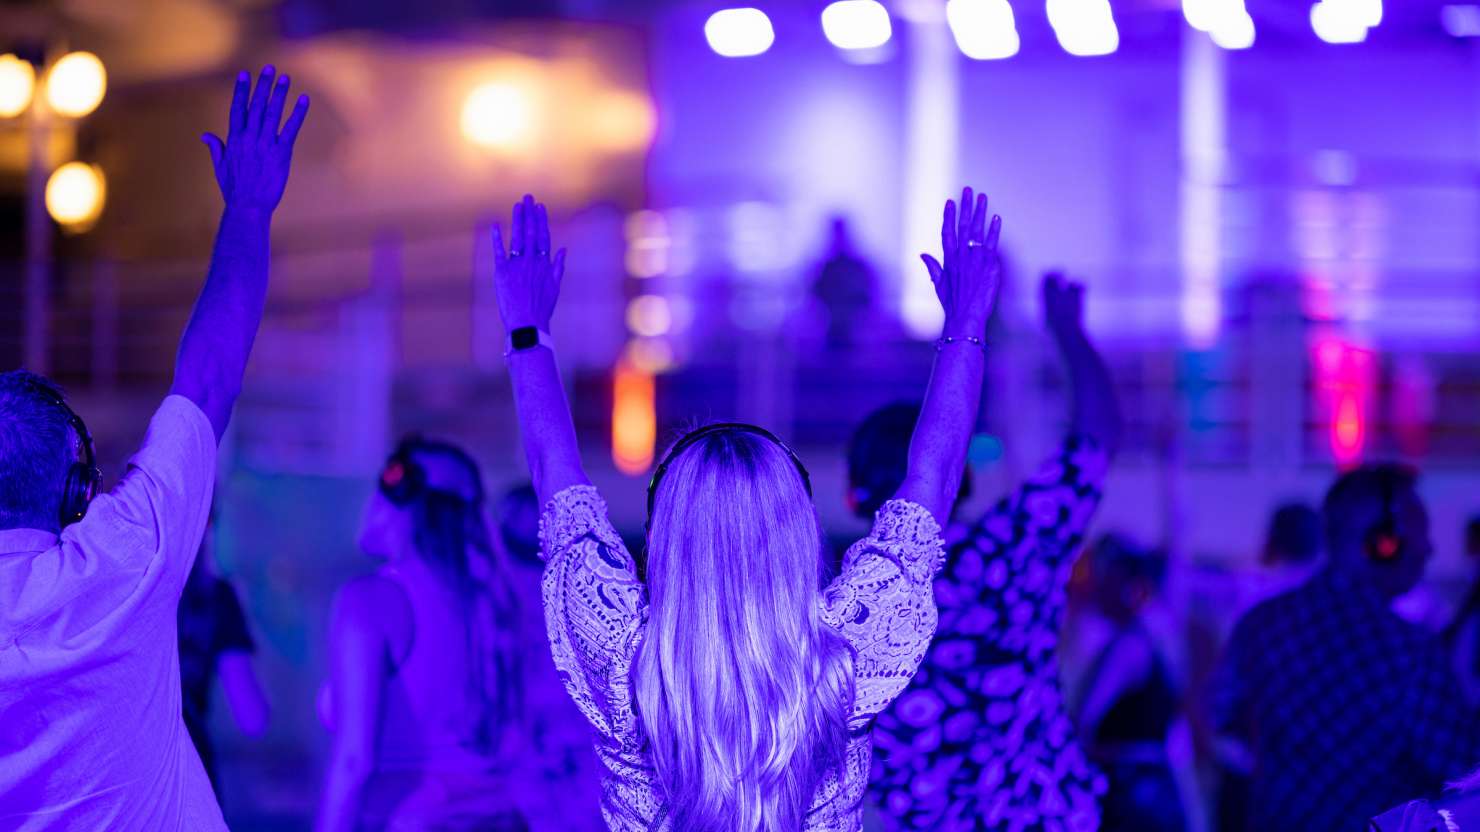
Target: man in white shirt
[{"x": 91, "y": 732}]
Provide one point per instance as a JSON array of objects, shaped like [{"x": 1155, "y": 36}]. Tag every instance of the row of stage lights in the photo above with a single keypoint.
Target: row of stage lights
[{"x": 987, "y": 30}]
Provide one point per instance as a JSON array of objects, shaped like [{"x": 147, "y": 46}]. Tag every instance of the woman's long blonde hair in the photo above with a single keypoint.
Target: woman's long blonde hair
[{"x": 742, "y": 689}]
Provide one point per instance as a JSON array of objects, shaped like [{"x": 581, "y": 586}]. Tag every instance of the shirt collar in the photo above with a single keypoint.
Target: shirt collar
[{"x": 20, "y": 541}]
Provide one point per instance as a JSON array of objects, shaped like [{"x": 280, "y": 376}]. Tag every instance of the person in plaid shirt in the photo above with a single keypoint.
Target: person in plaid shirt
[
  {"x": 1345, "y": 708},
  {"x": 981, "y": 739}
]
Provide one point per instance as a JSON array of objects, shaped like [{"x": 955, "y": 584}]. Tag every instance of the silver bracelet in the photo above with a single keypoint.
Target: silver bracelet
[{"x": 947, "y": 340}]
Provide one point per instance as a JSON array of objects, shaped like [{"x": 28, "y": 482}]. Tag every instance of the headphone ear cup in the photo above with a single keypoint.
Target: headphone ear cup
[
  {"x": 1384, "y": 545},
  {"x": 78, "y": 491}
]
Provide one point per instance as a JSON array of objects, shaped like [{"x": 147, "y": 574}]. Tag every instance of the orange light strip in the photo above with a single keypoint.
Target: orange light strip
[{"x": 634, "y": 419}]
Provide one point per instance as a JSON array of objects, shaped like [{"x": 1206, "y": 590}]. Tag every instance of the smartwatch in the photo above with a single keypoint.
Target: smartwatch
[{"x": 527, "y": 338}]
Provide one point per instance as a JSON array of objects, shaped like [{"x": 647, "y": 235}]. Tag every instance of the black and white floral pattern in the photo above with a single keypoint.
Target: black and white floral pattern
[{"x": 980, "y": 739}]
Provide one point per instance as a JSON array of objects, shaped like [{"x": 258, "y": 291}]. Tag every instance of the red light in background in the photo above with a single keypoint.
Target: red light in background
[
  {"x": 1344, "y": 386},
  {"x": 1348, "y": 430}
]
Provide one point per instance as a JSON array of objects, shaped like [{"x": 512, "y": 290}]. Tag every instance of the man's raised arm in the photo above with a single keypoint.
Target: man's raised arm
[{"x": 251, "y": 167}]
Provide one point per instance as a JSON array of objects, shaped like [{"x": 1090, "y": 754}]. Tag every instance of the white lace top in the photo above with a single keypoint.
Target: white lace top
[{"x": 596, "y": 611}]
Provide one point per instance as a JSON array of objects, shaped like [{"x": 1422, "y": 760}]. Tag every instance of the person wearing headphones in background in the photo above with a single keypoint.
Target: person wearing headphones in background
[
  {"x": 91, "y": 728},
  {"x": 424, "y": 699},
  {"x": 1344, "y": 708},
  {"x": 981, "y": 738}
]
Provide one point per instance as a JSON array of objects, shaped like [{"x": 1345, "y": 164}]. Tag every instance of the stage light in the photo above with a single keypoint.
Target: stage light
[
  {"x": 983, "y": 29},
  {"x": 1235, "y": 31},
  {"x": 739, "y": 33},
  {"x": 1461, "y": 21},
  {"x": 1342, "y": 21},
  {"x": 75, "y": 194},
  {"x": 1085, "y": 28},
  {"x": 649, "y": 316},
  {"x": 1366, "y": 12},
  {"x": 649, "y": 355},
  {"x": 856, "y": 24},
  {"x": 648, "y": 244},
  {"x": 1203, "y": 15},
  {"x": 500, "y": 116},
  {"x": 75, "y": 85},
  {"x": 17, "y": 85},
  {"x": 634, "y": 419}
]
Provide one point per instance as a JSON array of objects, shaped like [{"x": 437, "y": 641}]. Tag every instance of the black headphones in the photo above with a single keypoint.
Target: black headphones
[
  {"x": 694, "y": 436},
  {"x": 83, "y": 476},
  {"x": 403, "y": 478},
  {"x": 1383, "y": 542}
]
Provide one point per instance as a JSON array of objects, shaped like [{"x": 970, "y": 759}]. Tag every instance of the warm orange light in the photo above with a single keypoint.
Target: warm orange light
[
  {"x": 75, "y": 194},
  {"x": 1348, "y": 431},
  {"x": 623, "y": 122},
  {"x": 501, "y": 115},
  {"x": 634, "y": 419},
  {"x": 17, "y": 84},
  {"x": 76, "y": 84}
]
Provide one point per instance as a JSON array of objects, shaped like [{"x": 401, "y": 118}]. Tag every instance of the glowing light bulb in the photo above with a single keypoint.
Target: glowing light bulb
[
  {"x": 983, "y": 29},
  {"x": 1085, "y": 28},
  {"x": 1335, "y": 21},
  {"x": 649, "y": 316},
  {"x": 76, "y": 84},
  {"x": 500, "y": 115},
  {"x": 634, "y": 419},
  {"x": 1235, "y": 31},
  {"x": 739, "y": 33},
  {"x": 857, "y": 24},
  {"x": 75, "y": 194},
  {"x": 17, "y": 85}
]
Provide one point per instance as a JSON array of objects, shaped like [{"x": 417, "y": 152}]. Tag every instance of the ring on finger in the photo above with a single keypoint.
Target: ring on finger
[{"x": 974, "y": 243}]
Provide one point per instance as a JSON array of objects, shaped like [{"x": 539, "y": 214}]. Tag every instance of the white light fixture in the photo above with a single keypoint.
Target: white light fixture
[
  {"x": 1335, "y": 21},
  {"x": 1202, "y": 15},
  {"x": 983, "y": 29},
  {"x": 76, "y": 84},
  {"x": 1234, "y": 32},
  {"x": 857, "y": 24},
  {"x": 1085, "y": 28},
  {"x": 739, "y": 33}
]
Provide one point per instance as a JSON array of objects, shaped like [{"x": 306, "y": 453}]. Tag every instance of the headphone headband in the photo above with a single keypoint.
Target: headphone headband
[
  {"x": 693, "y": 437},
  {"x": 83, "y": 476}
]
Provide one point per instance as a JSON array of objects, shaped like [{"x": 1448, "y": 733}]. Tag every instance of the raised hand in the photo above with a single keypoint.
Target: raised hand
[
  {"x": 526, "y": 279},
  {"x": 1063, "y": 306},
  {"x": 968, "y": 282},
  {"x": 252, "y": 164}
]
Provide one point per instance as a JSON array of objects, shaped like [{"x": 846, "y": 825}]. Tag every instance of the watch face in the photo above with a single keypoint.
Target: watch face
[{"x": 525, "y": 337}]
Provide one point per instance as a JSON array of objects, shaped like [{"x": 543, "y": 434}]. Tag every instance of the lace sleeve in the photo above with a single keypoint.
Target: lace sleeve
[
  {"x": 594, "y": 609},
  {"x": 883, "y": 604}
]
